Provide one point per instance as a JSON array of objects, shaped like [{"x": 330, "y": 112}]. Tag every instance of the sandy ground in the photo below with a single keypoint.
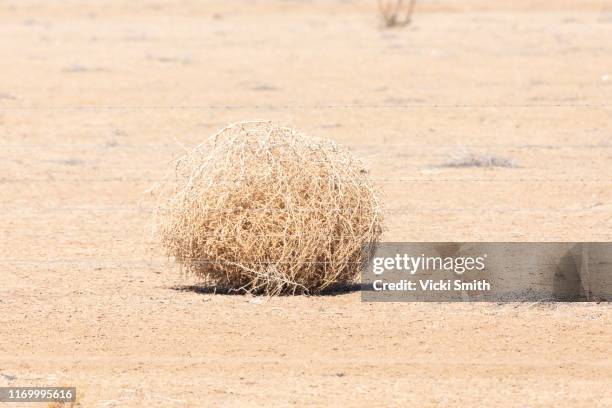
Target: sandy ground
[{"x": 97, "y": 97}]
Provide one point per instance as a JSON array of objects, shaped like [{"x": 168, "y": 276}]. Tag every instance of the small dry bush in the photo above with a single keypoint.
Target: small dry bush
[
  {"x": 261, "y": 208},
  {"x": 392, "y": 11},
  {"x": 467, "y": 159}
]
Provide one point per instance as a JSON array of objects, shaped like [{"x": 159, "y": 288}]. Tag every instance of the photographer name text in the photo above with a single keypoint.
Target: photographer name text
[{"x": 442, "y": 285}]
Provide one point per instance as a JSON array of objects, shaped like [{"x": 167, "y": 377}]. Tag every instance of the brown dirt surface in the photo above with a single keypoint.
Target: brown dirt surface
[{"x": 96, "y": 98}]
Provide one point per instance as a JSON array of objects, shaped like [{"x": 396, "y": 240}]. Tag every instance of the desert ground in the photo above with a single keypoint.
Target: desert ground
[{"x": 97, "y": 98}]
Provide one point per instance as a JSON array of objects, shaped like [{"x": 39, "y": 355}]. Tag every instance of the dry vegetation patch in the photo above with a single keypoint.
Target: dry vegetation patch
[{"x": 262, "y": 208}]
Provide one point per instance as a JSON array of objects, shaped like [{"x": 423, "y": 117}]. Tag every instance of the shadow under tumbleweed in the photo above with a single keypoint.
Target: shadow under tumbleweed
[
  {"x": 342, "y": 288},
  {"x": 334, "y": 290},
  {"x": 207, "y": 289}
]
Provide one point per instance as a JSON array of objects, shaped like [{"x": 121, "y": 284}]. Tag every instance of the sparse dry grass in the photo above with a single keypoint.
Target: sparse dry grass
[
  {"x": 261, "y": 208},
  {"x": 468, "y": 159},
  {"x": 75, "y": 404}
]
